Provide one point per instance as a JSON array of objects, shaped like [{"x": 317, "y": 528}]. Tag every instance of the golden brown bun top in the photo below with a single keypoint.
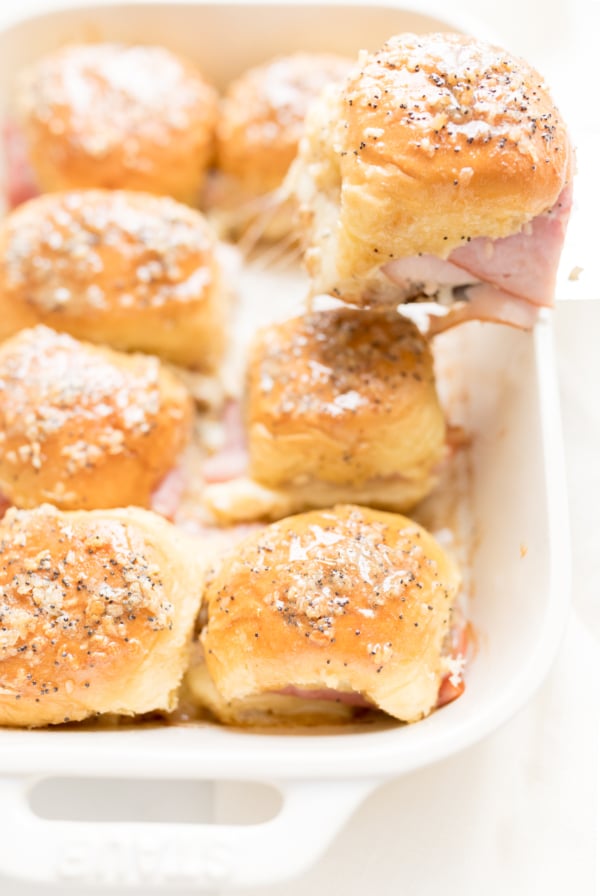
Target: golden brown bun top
[
  {"x": 433, "y": 140},
  {"x": 343, "y": 593},
  {"x": 445, "y": 103},
  {"x": 332, "y": 366},
  {"x": 114, "y": 115},
  {"x": 83, "y": 600},
  {"x": 88, "y": 252},
  {"x": 86, "y": 426},
  {"x": 263, "y": 112}
]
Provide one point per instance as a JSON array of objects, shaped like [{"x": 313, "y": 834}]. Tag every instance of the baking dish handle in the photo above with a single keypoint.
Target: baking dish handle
[{"x": 147, "y": 854}]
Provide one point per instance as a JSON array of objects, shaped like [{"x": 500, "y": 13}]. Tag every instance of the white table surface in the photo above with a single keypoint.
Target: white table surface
[{"x": 518, "y": 813}]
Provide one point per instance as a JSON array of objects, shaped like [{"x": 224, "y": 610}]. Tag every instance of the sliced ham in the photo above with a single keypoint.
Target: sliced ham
[
  {"x": 485, "y": 302},
  {"x": 428, "y": 271},
  {"x": 231, "y": 460},
  {"x": 225, "y": 465},
  {"x": 20, "y": 179},
  {"x": 462, "y": 645},
  {"x": 504, "y": 281},
  {"x": 526, "y": 263},
  {"x": 166, "y": 498},
  {"x": 449, "y": 692},
  {"x": 349, "y": 698}
]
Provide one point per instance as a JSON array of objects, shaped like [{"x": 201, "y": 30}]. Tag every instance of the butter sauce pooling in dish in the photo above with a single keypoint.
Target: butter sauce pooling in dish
[{"x": 407, "y": 188}]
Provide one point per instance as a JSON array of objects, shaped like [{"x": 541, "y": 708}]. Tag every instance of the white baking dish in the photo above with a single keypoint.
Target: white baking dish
[{"x": 507, "y": 385}]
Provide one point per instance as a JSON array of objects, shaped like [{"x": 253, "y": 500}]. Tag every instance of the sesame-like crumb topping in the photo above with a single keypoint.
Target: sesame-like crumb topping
[
  {"x": 58, "y": 393},
  {"x": 263, "y": 114},
  {"x": 74, "y": 596},
  {"x": 345, "y": 573},
  {"x": 94, "y": 252},
  {"x": 110, "y": 98},
  {"x": 335, "y": 364},
  {"x": 450, "y": 92}
]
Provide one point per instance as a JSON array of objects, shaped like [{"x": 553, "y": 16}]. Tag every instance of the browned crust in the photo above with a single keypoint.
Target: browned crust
[
  {"x": 96, "y": 614},
  {"x": 119, "y": 116},
  {"x": 262, "y": 116},
  {"x": 86, "y": 427},
  {"x": 349, "y": 598},
  {"x": 128, "y": 269},
  {"x": 344, "y": 397}
]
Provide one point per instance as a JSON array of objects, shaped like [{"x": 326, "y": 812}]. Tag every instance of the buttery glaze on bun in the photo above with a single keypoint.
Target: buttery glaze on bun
[
  {"x": 341, "y": 405},
  {"x": 432, "y": 141},
  {"x": 121, "y": 117},
  {"x": 134, "y": 271},
  {"x": 345, "y": 398},
  {"x": 260, "y": 125},
  {"x": 97, "y": 614},
  {"x": 339, "y": 607},
  {"x": 86, "y": 427}
]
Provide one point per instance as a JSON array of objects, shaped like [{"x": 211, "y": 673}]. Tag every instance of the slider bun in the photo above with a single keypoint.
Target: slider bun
[
  {"x": 97, "y": 612},
  {"x": 262, "y": 116},
  {"x": 433, "y": 140},
  {"x": 343, "y": 403},
  {"x": 131, "y": 270},
  {"x": 117, "y": 116},
  {"x": 85, "y": 427},
  {"x": 348, "y": 599},
  {"x": 260, "y": 125}
]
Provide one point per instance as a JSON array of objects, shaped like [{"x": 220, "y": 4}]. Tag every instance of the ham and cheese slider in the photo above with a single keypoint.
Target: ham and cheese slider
[
  {"x": 259, "y": 127},
  {"x": 134, "y": 271},
  {"x": 341, "y": 405},
  {"x": 118, "y": 116},
  {"x": 439, "y": 169},
  {"x": 85, "y": 427},
  {"x": 97, "y": 613},
  {"x": 325, "y": 614}
]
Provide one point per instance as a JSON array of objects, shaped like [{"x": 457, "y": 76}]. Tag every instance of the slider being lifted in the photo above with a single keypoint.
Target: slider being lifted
[{"x": 440, "y": 170}]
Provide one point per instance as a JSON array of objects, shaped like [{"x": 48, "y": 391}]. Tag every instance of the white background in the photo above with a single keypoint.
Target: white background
[{"x": 516, "y": 814}]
